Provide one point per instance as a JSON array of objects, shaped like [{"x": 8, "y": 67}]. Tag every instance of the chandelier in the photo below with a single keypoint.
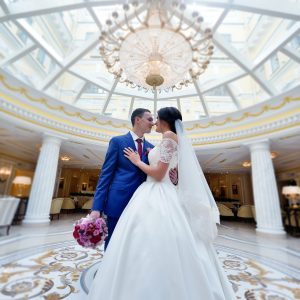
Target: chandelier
[{"x": 156, "y": 45}]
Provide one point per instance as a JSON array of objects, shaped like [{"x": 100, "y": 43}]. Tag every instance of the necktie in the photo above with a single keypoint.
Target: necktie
[{"x": 140, "y": 148}]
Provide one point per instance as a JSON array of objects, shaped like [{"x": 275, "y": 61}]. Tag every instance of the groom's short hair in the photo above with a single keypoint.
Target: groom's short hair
[{"x": 139, "y": 112}]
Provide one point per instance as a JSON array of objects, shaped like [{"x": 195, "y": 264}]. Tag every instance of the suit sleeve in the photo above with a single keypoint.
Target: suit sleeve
[{"x": 107, "y": 174}]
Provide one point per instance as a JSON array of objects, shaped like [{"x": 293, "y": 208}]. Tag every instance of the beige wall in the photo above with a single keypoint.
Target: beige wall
[
  {"x": 231, "y": 186},
  {"x": 74, "y": 180},
  {"x": 235, "y": 186}
]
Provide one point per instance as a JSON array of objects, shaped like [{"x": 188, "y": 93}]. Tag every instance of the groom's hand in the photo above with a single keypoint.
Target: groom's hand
[{"x": 173, "y": 174}]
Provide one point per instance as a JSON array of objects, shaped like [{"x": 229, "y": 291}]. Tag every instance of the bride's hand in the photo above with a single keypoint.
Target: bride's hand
[{"x": 132, "y": 156}]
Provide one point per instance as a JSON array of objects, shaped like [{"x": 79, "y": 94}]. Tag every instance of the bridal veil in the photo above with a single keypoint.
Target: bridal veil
[{"x": 194, "y": 193}]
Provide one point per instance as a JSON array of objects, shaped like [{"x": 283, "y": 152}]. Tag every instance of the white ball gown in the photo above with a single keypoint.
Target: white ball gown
[{"x": 152, "y": 254}]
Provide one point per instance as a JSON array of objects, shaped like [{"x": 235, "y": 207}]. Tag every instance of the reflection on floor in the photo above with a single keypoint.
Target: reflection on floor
[{"x": 45, "y": 263}]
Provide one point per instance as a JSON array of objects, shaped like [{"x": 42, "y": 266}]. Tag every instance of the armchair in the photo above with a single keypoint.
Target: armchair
[
  {"x": 88, "y": 204},
  {"x": 68, "y": 204},
  {"x": 224, "y": 210},
  {"x": 245, "y": 212},
  {"x": 56, "y": 207},
  {"x": 8, "y": 207}
]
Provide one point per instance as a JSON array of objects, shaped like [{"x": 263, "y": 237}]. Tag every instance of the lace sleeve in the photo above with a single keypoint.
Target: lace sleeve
[{"x": 167, "y": 148}]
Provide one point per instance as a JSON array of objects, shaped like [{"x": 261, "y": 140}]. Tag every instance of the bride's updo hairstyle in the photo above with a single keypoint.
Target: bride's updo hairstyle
[{"x": 170, "y": 115}]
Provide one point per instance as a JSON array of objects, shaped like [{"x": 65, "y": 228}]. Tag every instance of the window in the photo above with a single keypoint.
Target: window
[
  {"x": 274, "y": 63},
  {"x": 41, "y": 56},
  {"x": 296, "y": 42},
  {"x": 88, "y": 35},
  {"x": 91, "y": 89},
  {"x": 219, "y": 91},
  {"x": 52, "y": 66},
  {"x": 29, "y": 20},
  {"x": 22, "y": 36},
  {"x": 227, "y": 37}
]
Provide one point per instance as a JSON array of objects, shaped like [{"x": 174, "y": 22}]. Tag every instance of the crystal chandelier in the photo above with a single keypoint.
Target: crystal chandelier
[{"x": 156, "y": 45}]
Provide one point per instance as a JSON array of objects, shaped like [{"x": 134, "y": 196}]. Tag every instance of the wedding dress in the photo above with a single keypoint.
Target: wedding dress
[{"x": 153, "y": 254}]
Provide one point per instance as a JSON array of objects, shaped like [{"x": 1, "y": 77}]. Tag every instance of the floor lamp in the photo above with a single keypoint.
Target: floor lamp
[
  {"x": 292, "y": 193},
  {"x": 21, "y": 182}
]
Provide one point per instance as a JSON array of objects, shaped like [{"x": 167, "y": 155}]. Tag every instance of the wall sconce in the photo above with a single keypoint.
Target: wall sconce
[
  {"x": 65, "y": 158},
  {"x": 20, "y": 182},
  {"x": 274, "y": 154},
  {"x": 4, "y": 173},
  {"x": 292, "y": 193},
  {"x": 247, "y": 164}
]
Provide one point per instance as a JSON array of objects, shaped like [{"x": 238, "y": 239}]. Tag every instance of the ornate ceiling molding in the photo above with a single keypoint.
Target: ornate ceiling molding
[
  {"x": 82, "y": 116},
  {"x": 60, "y": 127},
  {"x": 18, "y": 103},
  {"x": 284, "y": 121},
  {"x": 247, "y": 114},
  {"x": 59, "y": 107}
]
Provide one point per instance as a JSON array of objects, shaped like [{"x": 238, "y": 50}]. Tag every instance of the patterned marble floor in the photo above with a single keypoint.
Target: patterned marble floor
[{"x": 64, "y": 270}]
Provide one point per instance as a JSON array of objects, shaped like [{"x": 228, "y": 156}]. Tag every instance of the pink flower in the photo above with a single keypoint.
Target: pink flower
[
  {"x": 82, "y": 226},
  {"x": 96, "y": 232}
]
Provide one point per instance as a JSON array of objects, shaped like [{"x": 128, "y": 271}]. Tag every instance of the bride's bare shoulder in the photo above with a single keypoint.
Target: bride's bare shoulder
[{"x": 170, "y": 135}]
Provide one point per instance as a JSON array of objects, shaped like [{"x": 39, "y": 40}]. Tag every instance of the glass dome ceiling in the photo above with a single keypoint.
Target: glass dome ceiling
[{"x": 53, "y": 47}]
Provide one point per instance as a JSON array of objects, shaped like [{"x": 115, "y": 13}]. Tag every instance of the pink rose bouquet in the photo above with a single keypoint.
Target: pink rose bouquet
[{"x": 90, "y": 232}]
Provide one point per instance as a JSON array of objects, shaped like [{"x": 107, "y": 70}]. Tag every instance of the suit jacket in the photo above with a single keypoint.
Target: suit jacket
[{"x": 119, "y": 177}]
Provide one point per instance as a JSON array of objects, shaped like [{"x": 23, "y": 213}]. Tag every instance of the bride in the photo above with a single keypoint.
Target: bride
[{"x": 162, "y": 246}]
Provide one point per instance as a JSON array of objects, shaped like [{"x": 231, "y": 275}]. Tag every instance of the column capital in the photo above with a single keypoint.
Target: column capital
[
  {"x": 259, "y": 145},
  {"x": 53, "y": 139}
]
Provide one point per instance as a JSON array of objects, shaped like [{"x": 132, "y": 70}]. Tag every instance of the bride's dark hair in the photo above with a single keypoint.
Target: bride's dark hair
[{"x": 170, "y": 115}]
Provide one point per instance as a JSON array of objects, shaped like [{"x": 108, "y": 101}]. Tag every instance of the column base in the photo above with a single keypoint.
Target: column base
[
  {"x": 33, "y": 222},
  {"x": 269, "y": 231}
]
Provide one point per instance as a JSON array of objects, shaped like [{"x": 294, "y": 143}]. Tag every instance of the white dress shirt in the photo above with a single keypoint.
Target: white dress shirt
[{"x": 135, "y": 137}]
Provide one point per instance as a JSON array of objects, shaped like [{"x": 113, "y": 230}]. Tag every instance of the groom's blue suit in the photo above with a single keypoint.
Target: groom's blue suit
[{"x": 118, "y": 180}]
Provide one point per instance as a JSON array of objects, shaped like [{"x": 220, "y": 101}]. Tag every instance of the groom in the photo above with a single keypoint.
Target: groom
[{"x": 119, "y": 177}]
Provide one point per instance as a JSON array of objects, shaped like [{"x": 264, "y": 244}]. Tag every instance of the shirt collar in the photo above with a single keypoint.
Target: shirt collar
[{"x": 135, "y": 137}]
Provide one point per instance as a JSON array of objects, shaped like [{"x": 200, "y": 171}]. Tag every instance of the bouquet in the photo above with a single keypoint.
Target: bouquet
[{"x": 90, "y": 232}]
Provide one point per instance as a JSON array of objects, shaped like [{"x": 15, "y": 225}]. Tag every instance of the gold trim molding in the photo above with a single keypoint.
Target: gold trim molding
[
  {"x": 55, "y": 129},
  {"x": 61, "y": 108},
  {"x": 245, "y": 115},
  {"x": 266, "y": 108},
  {"x": 248, "y": 136},
  {"x": 195, "y": 143}
]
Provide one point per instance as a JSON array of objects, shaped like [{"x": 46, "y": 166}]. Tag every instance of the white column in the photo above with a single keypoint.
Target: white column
[
  {"x": 268, "y": 213},
  {"x": 43, "y": 182}
]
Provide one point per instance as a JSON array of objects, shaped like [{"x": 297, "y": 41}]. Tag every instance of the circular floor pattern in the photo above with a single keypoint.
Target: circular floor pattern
[{"x": 67, "y": 272}]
